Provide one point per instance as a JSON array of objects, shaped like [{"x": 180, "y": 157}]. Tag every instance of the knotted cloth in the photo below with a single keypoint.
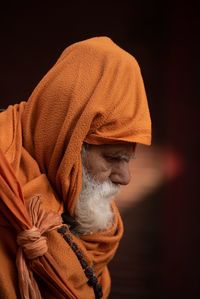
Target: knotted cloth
[
  {"x": 33, "y": 244},
  {"x": 94, "y": 93},
  {"x": 35, "y": 222}
]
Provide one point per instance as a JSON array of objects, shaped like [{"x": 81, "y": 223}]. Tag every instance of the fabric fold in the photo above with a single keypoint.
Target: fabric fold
[{"x": 94, "y": 93}]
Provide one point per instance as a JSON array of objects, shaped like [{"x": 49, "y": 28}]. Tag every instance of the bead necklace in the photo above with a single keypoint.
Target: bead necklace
[{"x": 92, "y": 279}]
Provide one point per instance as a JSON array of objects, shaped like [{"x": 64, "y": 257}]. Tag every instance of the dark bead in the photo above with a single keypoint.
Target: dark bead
[
  {"x": 88, "y": 272},
  {"x": 74, "y": 246},
  {"x": 62, "y": 230},
  {"x": 79, "y": 255},
  {"x": 68, "y": 238},
  {"x": 68, "y": 219},
  {"x": 83, "y": 263},
  {"x": 98, "y": 288},
  {"x": 98, "y": 295},
  {"x": 92, "y": 281}
]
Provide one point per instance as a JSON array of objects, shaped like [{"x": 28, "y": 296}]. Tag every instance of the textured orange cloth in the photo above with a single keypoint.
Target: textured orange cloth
[{"x": 93, "y": 93}]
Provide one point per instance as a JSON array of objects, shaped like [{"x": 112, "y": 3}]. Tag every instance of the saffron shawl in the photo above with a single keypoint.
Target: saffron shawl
[{"x": 94, "y": 93}]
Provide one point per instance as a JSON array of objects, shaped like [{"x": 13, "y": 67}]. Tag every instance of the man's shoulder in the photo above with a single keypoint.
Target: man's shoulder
[{"x": 9, "y": 119}]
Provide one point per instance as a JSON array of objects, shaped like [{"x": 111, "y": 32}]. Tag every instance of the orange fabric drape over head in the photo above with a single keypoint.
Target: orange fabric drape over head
[{"x": 93, "y": 93}]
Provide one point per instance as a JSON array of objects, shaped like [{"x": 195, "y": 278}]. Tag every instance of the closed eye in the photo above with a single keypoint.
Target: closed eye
[{"x": 117, "y": 158}]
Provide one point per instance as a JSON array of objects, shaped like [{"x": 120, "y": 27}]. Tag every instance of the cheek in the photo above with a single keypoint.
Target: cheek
[
  {"x": 102, "y": 175},
  {"x": 99, "y": 169}
]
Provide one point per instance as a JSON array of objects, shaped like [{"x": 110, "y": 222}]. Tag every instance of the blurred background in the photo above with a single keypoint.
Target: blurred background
[{"x": 159, "y": 254}]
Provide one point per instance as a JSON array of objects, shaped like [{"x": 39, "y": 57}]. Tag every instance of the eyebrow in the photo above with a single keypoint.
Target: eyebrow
[{"x": 123, "y": 156}]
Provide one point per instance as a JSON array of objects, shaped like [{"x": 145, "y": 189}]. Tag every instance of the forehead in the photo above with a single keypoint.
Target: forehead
[{"x": 117, "y": 148}]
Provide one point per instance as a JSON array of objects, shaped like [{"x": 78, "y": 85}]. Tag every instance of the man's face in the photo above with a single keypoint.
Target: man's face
[
  {"x": 109, "y": 162},
  {"x": 105, "y": 168}
]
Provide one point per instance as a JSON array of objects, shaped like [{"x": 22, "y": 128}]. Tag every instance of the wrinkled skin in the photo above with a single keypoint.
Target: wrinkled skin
[{"x": 110, "y": 161}]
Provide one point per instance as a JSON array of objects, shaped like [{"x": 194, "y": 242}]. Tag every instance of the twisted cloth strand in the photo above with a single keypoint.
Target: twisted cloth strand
[{"x": 32, "y": 244}]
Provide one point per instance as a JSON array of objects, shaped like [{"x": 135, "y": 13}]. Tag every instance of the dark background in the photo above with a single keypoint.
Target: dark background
[{"x": 159, "y": 255}]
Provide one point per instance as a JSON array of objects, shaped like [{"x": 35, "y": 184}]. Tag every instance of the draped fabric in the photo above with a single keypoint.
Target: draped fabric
[{"x": 94, "y": 93}]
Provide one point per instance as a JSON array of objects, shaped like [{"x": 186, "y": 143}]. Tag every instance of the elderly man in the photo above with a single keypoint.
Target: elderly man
[{"x": 64, "y": 154}]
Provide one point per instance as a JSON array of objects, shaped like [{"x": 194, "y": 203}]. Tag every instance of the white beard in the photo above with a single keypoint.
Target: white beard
[{"x": 93, "y": 210}]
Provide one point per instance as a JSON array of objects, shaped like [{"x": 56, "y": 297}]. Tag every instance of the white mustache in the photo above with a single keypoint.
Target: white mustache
[{"x": 104, "y": 189}]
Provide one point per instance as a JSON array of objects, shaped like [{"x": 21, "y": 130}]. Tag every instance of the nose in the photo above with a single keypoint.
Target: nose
[{"x": 121, "y": 174}]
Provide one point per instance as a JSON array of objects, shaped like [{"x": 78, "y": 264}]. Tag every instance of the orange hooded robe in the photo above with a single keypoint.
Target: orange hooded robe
[{"x": 94, "y": 93}]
